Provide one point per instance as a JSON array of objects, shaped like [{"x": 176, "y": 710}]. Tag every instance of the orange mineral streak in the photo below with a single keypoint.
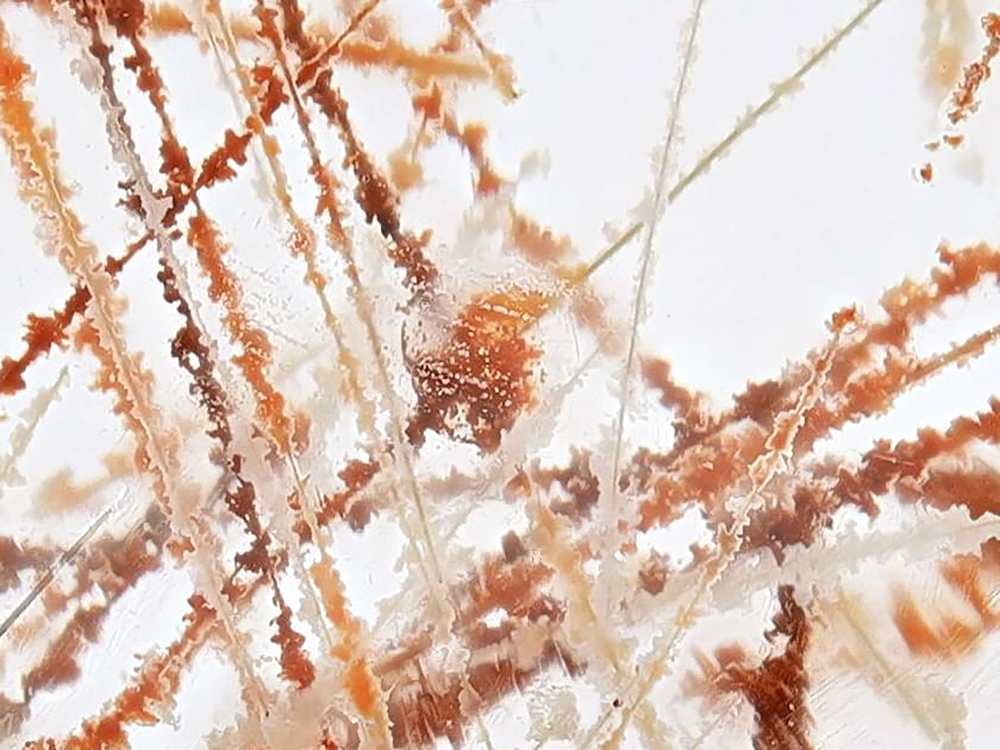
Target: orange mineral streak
[
  {"x": 303, "y": 242},
  {"x": 34, "y": 157},
  {"x": 60, "y": 492},
  {"x": 472, "y": 138},
  {"x": 121, "y": 373},
  {"x": 404, "y": 169},
  {"x": 41, "y": 335},
  {"x": 978, "y": 489},
  {"x": 335, "y": 603},
  {"x": 128, "y": 18},
  {"x": 476, "y": 385},
  {"x": 906, "y": 306},
  {"x": 703, "y": 473},
  {"x": 364, "y": 689},
  {"x": 963, "y": 99},
  {"x": 362, "y": 685},
  {"x": 904, "y": 466},
  {"x": 536, "y": 243},
  {"x": 154, "y": 690},
  {"x": 126, "y": 404},
  {"x": 374, "y": 195},
  {"x": 394, "y": 55},
  {"x": 965, "y": 574},
  {"x": 471, "y": 384},
  {"x": 253, "y": 361},
  {"x": 318, "y": 60},
  {"x": 954, "y": 637},
  {"x": 389, "y": 53},
  {"x": 951, "y": 640},
  {"x": 711, "y": 458},
  {"x": 216, "y": 167}
]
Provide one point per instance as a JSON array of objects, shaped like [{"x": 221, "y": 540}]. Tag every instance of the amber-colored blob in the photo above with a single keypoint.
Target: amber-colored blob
[
  {"x": 475, "y": 386},
  {"x": 405, "y": 171}
]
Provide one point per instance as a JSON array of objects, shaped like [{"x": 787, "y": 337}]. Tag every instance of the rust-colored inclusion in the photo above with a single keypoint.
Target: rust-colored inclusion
[
  {"x": 43, "y": 332},
  {"x": 963, "y": 100},
  {"x": 345, "y": 504},
  {"x": 474, "y": 387},
  {"x": 776, "y": 688}
]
